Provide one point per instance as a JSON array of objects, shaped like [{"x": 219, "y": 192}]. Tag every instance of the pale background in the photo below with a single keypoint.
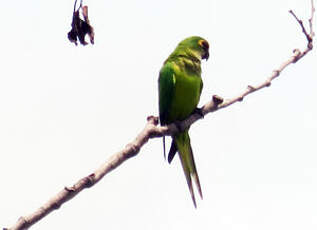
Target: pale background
[{"x": 64, "y": 110}]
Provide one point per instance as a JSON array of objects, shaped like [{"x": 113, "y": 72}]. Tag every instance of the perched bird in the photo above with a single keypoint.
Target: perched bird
[{"x": 180, "y": 86}]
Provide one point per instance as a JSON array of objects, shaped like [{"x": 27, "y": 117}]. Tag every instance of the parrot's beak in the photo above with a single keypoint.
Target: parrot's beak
[
  {"x": 205, "y": 46},
  {"x": 206, "y": 55}
]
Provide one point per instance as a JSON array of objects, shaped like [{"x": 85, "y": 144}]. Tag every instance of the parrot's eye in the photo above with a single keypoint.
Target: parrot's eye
[{"x": 204, "y": 44}]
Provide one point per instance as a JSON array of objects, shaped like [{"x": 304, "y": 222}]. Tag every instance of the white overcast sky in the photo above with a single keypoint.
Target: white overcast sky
[{"x": 65, "y": 109}]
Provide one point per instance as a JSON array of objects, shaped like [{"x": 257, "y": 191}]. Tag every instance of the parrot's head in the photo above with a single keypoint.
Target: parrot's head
[{"x": 197, "y": 45}]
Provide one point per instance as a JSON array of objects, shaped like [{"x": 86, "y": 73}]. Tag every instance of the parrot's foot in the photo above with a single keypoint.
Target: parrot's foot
[
  {"x": 179, "y": 126},
  {"x": 199, "y": 111}
]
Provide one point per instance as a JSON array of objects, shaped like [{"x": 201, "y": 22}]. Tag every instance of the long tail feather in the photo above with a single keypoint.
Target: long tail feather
[
  {"x": 196, "y": 179},
  {"x": 184, "y": 149},
  {"x": 188, "y": 179},
  {"x": 195, "y": 174}
]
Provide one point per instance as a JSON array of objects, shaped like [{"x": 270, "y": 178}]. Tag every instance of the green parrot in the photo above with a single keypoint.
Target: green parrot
[{"x": 180, "y": 86}]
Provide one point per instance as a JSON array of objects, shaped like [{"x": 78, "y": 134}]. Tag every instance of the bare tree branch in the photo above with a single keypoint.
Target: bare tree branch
[{"x": 152, "y": 130}]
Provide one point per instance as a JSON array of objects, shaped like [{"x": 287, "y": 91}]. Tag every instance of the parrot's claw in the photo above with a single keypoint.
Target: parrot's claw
[
  {"x": 199, "y": 111},
  {"x": 178, "y": 125}
]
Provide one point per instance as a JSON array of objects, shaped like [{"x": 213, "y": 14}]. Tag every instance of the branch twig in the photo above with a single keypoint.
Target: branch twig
[
  {"x": 152, "y": 130},
  {"x": 310, "y": 20}
]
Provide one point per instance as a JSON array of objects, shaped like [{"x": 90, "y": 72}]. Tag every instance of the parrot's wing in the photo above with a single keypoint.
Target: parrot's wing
[
  {"x": 167, "y": 81},
  {"x": 201, "y": 86}
]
